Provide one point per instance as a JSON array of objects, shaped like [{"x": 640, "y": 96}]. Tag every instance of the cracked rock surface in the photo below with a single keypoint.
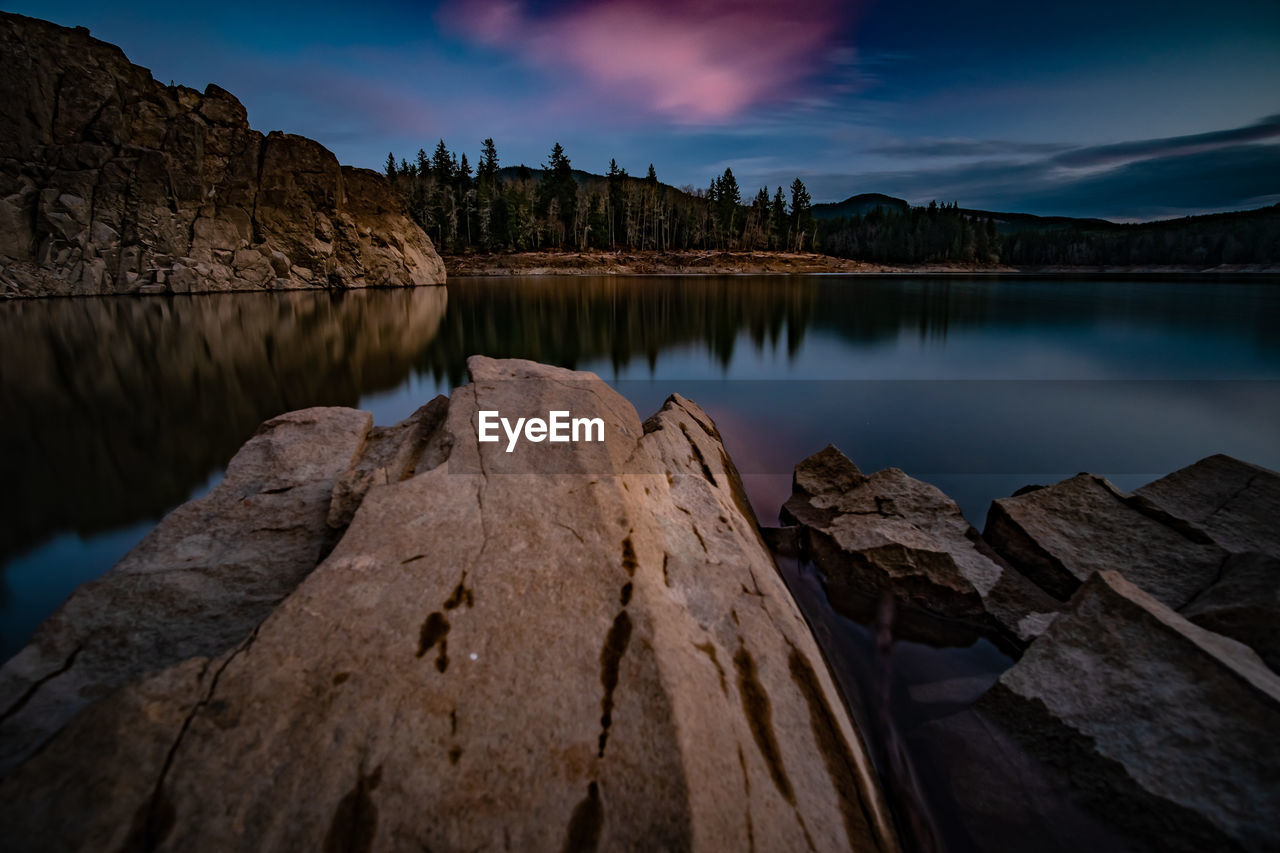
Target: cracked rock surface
[
  {"x": 113, "y": 183},
  {"x": 888, "y": 532},
  {"x": 570, "y": 646}
]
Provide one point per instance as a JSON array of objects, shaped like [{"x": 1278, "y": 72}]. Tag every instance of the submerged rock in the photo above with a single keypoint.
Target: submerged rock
[
  {"x": 1163, "y": 728},
  {"x": 113, "y": 183},
  {"x": 888, "y": 532},
  {"x": 571, "y": 646}
]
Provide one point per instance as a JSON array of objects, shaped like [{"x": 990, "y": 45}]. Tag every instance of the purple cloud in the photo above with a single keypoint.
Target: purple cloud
[{"x": 699, "y": 61}]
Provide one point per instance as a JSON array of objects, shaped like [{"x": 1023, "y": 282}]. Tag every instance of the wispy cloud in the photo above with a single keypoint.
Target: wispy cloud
[
  {"x": 1230, "y": 169},
  {"x": 942, "y": 148},
  {"x": 698, "y": 61},
  {"x": 1123, "y": 152}
]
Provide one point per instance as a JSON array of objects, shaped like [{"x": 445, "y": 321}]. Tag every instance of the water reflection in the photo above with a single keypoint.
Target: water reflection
[{"x": 117, "y": 409}]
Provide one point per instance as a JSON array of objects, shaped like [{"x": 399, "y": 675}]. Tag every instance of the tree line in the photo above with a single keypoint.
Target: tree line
[
  {"x": 934, "y": 234},
  {"x": 1248, "y": 237},
  {"x": 558, "y": 207},
  {"x": 555, "y": 206}
]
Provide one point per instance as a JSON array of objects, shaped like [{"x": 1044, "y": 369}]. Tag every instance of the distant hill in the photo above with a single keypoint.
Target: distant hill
[
  {"x": 1006, "y": 223},
  {"x": 1014, "y": 223},
  {"x": 859, "y": 205}
]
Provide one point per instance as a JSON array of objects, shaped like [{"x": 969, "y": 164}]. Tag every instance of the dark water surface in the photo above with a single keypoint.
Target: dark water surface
[{"x": 115, "y": 410}]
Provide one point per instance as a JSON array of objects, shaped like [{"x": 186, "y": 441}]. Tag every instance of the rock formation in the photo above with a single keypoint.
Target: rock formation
[
  {"x": 572, "y": 646},
  {"x": 113, "y": 183},
  {"x": 1142, "y": 709},
  {"x": 888, "y": 532},
  {"x": 1161, "y": 726}
]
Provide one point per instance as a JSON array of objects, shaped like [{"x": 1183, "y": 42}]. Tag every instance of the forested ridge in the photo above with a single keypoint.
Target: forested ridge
[{"x": 554, "y": 206}]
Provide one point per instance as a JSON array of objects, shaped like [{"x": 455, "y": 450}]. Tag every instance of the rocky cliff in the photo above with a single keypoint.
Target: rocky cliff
[
  {"x": 403, "y": 638},
  {"x": 113, "y": 183}
]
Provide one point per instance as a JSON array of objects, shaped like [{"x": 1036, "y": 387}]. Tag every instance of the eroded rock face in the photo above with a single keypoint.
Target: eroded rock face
[
  {"x": 890, "y": 532},
  {"x": 571, "y": 646},
  {"x": 1159, "y": 724},
  {"x": 113, "y": 183}
]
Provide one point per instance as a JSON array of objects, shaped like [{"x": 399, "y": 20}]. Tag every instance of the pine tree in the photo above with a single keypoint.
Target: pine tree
[
  {"x": 778, "y": 221},
  {"x": 560, "y": 193},
  {"x": 391, "y": 165},
  {"x": 801, "y": 215}
]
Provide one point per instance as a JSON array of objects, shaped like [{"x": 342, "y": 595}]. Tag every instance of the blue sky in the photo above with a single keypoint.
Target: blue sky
[{"x": 1125, "y": 110}]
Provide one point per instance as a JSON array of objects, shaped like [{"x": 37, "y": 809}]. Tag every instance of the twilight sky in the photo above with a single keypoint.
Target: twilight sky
[{"x": 1089, "y": 108}]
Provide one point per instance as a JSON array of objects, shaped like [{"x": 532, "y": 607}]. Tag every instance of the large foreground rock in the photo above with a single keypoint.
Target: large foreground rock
[
  {"x": 571, "y": 646},
  {"x": 1163, "y": 728},
  {"x": 888, "y": 532},
  {"x": 113, "y": 183}
]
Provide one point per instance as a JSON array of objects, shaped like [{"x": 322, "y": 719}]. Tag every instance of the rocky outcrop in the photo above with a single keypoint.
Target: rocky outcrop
[
  {"x": 1160, "y": 725},
  {"x": 1235, "y": 503},
  {"x": 1124, "y": 723},
  {"x": 113, "y": 183},
  {"x": 888, "y": 532},
  {"x": 1060, "y": 535},
  {"x": 599, "y": 656}
]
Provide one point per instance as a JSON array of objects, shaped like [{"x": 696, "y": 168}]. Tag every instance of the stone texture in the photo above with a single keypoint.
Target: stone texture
[
  {"x": 565, "y": 647},
  {"x": 1163, "y": 728},
  {"x": 196, "y": 586},
  {"x": 113, "y": 183},
  {"x": 1235, "y": 503},
  {"x": 1244, "y": 605},
  {"x": 1060, "y": 535},
  {"x": 890, "y": 532}
]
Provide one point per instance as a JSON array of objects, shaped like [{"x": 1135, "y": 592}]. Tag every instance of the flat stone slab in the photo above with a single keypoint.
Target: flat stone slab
[
  {"x": 1060, "y": 535},
  {"x": 1166, "y": 730},
  {"x": 1236, "y": 503}
]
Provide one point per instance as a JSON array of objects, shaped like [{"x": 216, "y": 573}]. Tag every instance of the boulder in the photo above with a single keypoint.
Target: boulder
[
  {"x": 568, "y": 646},
  {"x": 1060, "y": 535},
  {"x": 113, "y": 183},
  {"x": 890, "y": 532},
  {"x": 1162, "y": 728},
  {"x": 1234, "y": 502}
]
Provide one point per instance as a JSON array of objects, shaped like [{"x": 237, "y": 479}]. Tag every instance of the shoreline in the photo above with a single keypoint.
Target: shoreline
[{"x": 654, "y": 262}]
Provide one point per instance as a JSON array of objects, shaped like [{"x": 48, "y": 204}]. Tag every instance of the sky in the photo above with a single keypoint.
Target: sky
[{"x": 1124, "y": 110}]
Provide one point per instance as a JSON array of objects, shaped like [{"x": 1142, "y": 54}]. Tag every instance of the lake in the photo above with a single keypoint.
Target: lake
[{"x": 115, "y": 410}]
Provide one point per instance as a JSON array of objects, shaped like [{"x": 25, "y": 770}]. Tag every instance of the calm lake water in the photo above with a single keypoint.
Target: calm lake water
[{"x": 116, "y": 410}]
